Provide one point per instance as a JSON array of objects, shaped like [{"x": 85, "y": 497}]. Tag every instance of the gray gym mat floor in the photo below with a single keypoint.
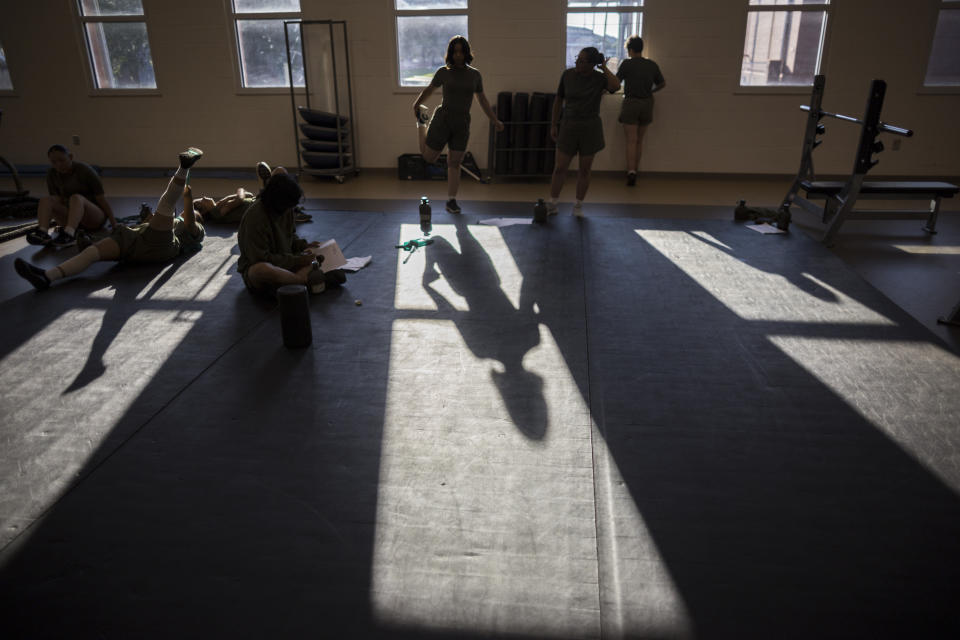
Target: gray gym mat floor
[{"x": 615, "y": 426}]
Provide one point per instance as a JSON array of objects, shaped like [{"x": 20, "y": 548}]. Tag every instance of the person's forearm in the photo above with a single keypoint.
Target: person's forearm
[
  {"x": 107, "y": 209},
  {"x": 555, "y": 116},
  {"x": 485, "y": 105}
]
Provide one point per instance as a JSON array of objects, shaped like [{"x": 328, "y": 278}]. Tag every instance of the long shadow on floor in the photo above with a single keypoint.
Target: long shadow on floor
[{"x": 247, "y": 507}]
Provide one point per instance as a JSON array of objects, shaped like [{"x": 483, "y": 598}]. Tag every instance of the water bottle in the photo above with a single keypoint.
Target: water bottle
[
  {"x": 540, "y": 211},
  {"x": 425, "y": 214}
]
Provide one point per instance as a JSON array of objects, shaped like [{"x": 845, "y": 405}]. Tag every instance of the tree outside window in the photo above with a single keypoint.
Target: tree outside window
[
  {"x": 261, "y": 41},
  {"x": 424, "y": 27},
  {"x": 115, "y": 33}
]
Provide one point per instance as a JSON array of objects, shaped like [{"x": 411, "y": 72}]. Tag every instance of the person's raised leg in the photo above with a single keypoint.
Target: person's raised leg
[
  {"x": 560, "y": 167},
  {"x": 453, "y": 179},
  {"x": 630, "y": 131},
  {"x": 583, "y": 183},
  {"x": 162, "y": 219}
]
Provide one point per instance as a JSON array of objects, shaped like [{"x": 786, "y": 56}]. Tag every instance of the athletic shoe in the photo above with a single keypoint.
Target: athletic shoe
[
  {"x": 334, "y": 278},
  {"x": 83, "y": 240},
  {"x": 578, "y": 209},
  {"x": 63, "y": 239},
  {"x": 263, "y": 172},
  {"x": 316, "y": 281},
  {"x": 452, "y": 206},
  {"x": 38, "y": 237},
  {"x": 189, "y": 157},
  {"x": 423, "y": 116},
  {"x": 631, "y": 178},
  {"x": 552, "y": 209},
  {"x": 145, "y": 212},
  {"x": 33, "y": 275},
  {"x": 300, "y": 218}
]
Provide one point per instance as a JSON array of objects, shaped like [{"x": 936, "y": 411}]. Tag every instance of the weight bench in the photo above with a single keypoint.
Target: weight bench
[
  {"x": 830, "y": 191},
  {"x": 840, "y": 197}
]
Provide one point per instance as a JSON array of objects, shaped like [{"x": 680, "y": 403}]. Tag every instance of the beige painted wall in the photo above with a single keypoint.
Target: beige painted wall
[{"x": 703, "y": 124}]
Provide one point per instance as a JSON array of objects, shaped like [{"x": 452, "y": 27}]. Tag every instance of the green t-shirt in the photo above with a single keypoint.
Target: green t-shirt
[
  {"x": 82, "y": 179},
  {"x": 188, "y": 241},
  {"x": 265, "y": 237},
  {"x": 581, "y": 94},
  {"x": 459, "y": 84},
  {"x": 639, "y": 75},
  {"x": 235, "y": 214}
]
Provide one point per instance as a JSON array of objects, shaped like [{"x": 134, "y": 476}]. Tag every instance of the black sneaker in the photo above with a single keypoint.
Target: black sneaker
[
  {"x": 189, "y": 157},
  {"x": 145, "y": 212},
  {"x": 452, "y": 206},
  {"x": 62, "y": 240},
  {"x": 33, "y": 275},
  {"x": 38, "y": 237},
  {"x": 423, "y": 116},
  {"x": 335, "y": 278},
  {"x": 631, "y": 179},
  {"x": 83, "y": 240},
  {"x": 263, "y": 172}
]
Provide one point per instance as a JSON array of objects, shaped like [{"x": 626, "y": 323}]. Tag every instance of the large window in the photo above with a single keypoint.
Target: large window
[
  {"x": 604, "y": 24},
  {"x": 943, "y": 68},
  {"x": 784, "y": 42},
  {"x": 423, "y": 29},
  {"x": 261, "y": 42},
  {"x": 116, "y": 36},
  {"x": 6, "y": 84}
]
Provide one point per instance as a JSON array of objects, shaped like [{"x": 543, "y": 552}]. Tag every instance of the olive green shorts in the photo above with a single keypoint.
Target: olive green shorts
[
  {"x": 143, "y": 244},
  {"x": 637, "y": 111},
  {"x": 265, "y": 290},
  {"x": 449, "y": 130},
  {"x": 580, "y": 136}
]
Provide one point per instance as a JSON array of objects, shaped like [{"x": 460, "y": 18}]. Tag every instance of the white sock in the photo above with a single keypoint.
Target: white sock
[
  {"x": 74, "y": 265},
  {"x": 45, "y": 229},
  {"x": 554, "y": 200},
  {"x": 578, "y": 203},
  {"x": 168, "y": 200},
  {"x": 69, "y": 231}
]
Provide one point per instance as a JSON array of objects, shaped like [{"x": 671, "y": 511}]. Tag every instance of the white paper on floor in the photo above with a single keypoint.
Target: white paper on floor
[
  {"x": 506, "y": 222},
  {"x": 355, "y": 264},
  {"x": 765, "y": 228}
]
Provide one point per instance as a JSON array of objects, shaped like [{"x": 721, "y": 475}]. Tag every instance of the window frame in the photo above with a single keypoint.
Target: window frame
[
  {"x": 234, "y": 39},
  {"x": 567, "y": 10},
  {"x": 922, "y": 86},
  {"x": 397, "y": 13},
  {"x": 825, "y": 6},
  {"x": 89, "y": 70}
]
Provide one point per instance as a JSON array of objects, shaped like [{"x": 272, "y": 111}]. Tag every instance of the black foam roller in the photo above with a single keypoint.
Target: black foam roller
[
  {"x": 502, "y": 140},
  {"x": 518, "y": 136},
  {"x": 537, "y": 113}
]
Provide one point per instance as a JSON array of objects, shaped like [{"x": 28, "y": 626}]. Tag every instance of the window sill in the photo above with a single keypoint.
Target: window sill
[
  {"x": 774, "y": 90},
  {"x": 121, "y": 93},
  {"x": 269, "y": 91},
  {"x": 943, "y": 90}
]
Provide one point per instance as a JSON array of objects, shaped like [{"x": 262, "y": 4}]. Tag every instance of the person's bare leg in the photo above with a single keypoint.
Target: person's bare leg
[
  {"x": 560, "y": 167},
  {"x": 83, "y": 214},
  {"x": 453, "y": 173},
  {"x": 45, "y": 211},
  {"x": 641, "y": 130},
  {"x": 630, "y": 131},
  {"x": 429, "y": 154},
  {"x": 583, "y": 176},
  {"x": 105, "y": 249}
]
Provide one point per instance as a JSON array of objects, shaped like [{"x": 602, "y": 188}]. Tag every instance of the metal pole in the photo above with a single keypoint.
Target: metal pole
[
  {"x": 346, "y": 53},
  {"x": 336, "y": 94},
  {"x": 293, "y": 97}
]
